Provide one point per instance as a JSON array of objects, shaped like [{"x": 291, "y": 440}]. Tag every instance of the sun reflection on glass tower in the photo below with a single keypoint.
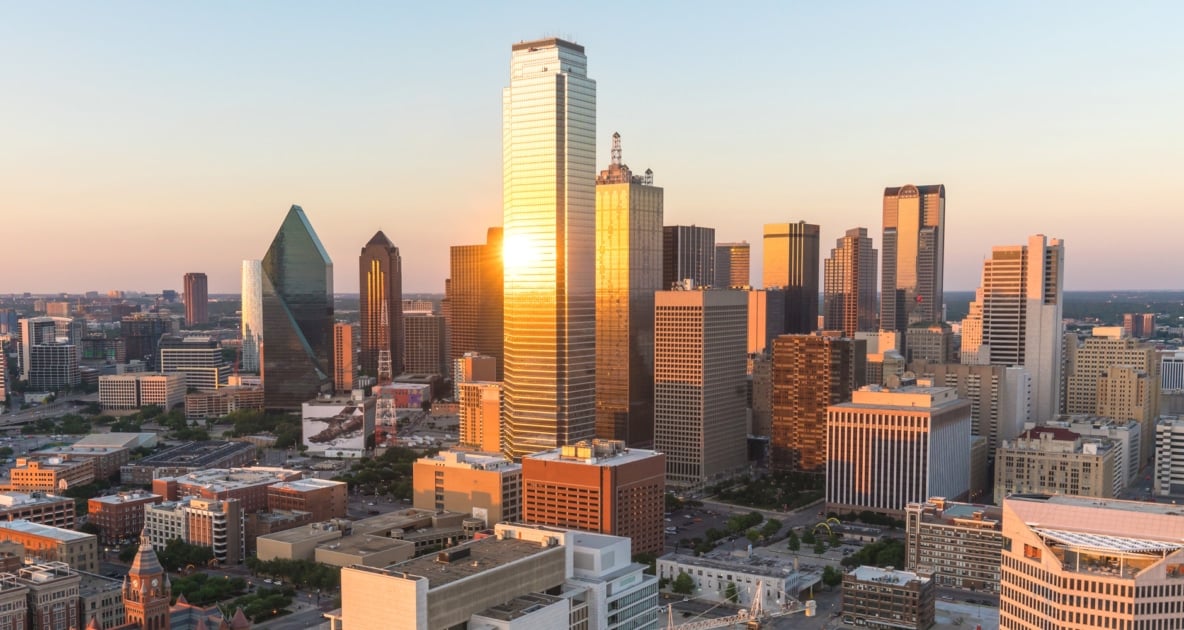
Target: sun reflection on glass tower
[
  {"x": 297, "y": 315},
  {"x": 252, "y": 317},
  {"x": 914, "y": 255},
  {"x": 549, "y": 216}
]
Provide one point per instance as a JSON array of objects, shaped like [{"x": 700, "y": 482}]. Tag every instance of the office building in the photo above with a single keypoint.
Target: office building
[
  {"x": 197, "y": 299},
  {"x": 217, "y": 524},
  {"x": 472, "y": 367},
  {"x": 1139, "y": 325},
  {"x": 810, "y": 373},
  {"x": 198, "y": 358},
  {"x": 380, "y": 302},
  {"x": 141, "y": 333},
  {"x": 185, "y": 458},
  {"x": 425, "y": 344},
  {"x": 933, "y": 343},
  {"x": 37, "y": 507},
  {"x": 1169, "y": 456},
  {"x": 120, "y": 516},
  {"x": 3, "y": 374},
  {"x": 791, "y": 263},
  {"x": 732, "y": 265},
  {"x": 249, "y": 486},
  {"x": 628, "y": 272},
  {"x": 1076, "y": 562},
  {"x": 52, "y": 592},
  {"x": 1016, "y": 318},
  {"x": 876, "y": 597},
  {"x": 888, "y": 448},
  {"x": 100, "y": 602},
  {"x": 297, "y": 315},
  {"x": 53, "y": 544},
  {"x": 324, "y": 499},
  {"x": 688, "y": 253},
  {"x": 1000, "y": 396},
  {"x": 107, "y": 459},
  {"x": 474, "y": 296},
  {"x": 343, "y": 357},
  {"x": 849, "y": 284},
  {"x": 959, "y": 544},
  {"x": 766, "y": 318},
  {"x": 252, "y": 315},
  {"x": 1087, "y": 365},
  {"x": 57, "y": 309},
  {"x": 486, "y": 485},
  {"x": 700, "y": 384},
  {"x": 50, "y": 348},
  {"x": 49, "y": 474},
  {"x": 223, "y": 401},
  {"x": 1171, "y": 367},
  {"x": 549, "y": 216},
  {"x": 1056, "y": 460},
  {"x": 761, "y": 407},
  {"x": 480, "y": 416},
  {"x": 599, "y": 486},
  {"x": 913, "y": 249}
]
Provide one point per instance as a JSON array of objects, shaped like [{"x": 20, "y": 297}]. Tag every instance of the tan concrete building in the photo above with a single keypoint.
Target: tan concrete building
[
  {"x": 601, "y": 486},
  {"x": 37, "y": 507},
  {"x": 1055, "y": 460},
  {"x": 222, "y": 401},
  {"x": 480, "y": 415},
  {"x": 299, "y": 543},
  {"x": 108, "y": 459},
  {"x": 930, "y": 342},
  {"x": 486, "y": 485},
  {"x": 1081, "y": 563},
  {"x": 217, "y": 524},
  {"x": 1128, "y": 393},
  {"x": 132, "y": 391},
  {"x": 959, "y": 544},
  {"x": 53, "y": 544},
  {"x": 878, "y": 597},
  {"x": 49, "y": 474},
  {"x": 1087, "y": 363}
]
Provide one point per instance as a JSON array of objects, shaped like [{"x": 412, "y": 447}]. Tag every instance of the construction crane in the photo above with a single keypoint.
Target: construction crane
[{"x": 750, "y": 617}]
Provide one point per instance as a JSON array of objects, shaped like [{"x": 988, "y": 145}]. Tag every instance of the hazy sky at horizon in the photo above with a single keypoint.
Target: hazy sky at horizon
[{"x": 144, "y": 140}]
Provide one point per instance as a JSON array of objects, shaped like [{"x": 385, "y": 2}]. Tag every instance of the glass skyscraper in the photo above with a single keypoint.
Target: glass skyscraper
[
  {"x": 791, "y": 263},
  {"x": 252, "y": 314},
  {"x": 628, "y": 272},
  {"x": 549, "y": 175},
  {"x": 380, "y": 300},
  {"x": 297, "y": 315},
  {"x": 914, "y": 255}
]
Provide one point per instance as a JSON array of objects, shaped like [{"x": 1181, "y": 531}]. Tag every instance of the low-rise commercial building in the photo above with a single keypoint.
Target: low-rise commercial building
[
  {"x": 49, "y": 474},
  {"x": 1054, "y": 460},
  {"x": 878, "y": 597},
  {"x": 959, "y": 544},
  {"x": 120, "y": 517},
  {"x": 38, "y": 507},
  {"x": 714, "y": 577},
  {"x": 53, "y": 544},
  {"x": 107, "y": 459},
  {"x": 186, "y": 458},
  {"x": 486, "y": 485},
  {"x": 323, "y": 498},
  {"x": 135, "y": 390},
  {"x": 248, "y": 486},
  {"x": 222, "y": 401}
]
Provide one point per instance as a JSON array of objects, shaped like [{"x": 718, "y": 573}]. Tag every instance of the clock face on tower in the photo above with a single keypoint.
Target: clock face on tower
[
  {"x": 135, "y": 582},
  {"x": 155, "y": 582}
]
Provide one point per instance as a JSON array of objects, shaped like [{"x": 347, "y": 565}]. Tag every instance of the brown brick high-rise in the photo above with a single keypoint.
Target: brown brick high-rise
[{"x": 810, "y": 373}]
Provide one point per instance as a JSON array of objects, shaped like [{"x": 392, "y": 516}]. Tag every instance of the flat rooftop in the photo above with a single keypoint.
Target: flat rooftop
[
  {"x": 195, "y": 454},
  {"x": 307, "y": 485},
  {"x": 22, "y": 499},
  {"x": 316, "y": 531},
  {"x": 484, "y": 554},
  {"x": 625, "y": 456},
  {"x": 876, "y": 574},
  {"x": 222, "y": 479},
  {"x": 519, "y": 607},
  {"x": 1102, "y": 518},
  {"x": 364, "y": 544},
  {"x": 752, "y": 565},
  {"x": 126, "y": 497},
  {"x": 45, "y": 531}
]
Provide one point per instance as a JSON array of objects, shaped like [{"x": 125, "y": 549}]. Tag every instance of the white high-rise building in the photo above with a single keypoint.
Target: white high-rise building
[
  {"x": 549, "y": 217},
  {"x": 1169, "y": 455},
  {"x": 1171, "y": 365},
  {"x": 252, "y": 314},
  {"x": 1016, "y": 316}
]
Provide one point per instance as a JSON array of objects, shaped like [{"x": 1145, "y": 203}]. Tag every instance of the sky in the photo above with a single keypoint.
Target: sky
[{"x": 144, "y": 140}]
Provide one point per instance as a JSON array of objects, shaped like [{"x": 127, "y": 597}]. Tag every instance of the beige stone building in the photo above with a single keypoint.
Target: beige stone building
[
  {"x": 1091, "y": 386},
  {"x": 53, "y": 544},
  {"x": 480, "y": 415},
  {"x": 49, "y": 474},
  {"x": 1081, "y": 563},
  {"x": 1058, "y": 461},
  {"x": 958, "y": 543},
  {"x": 486, "y": 485}
]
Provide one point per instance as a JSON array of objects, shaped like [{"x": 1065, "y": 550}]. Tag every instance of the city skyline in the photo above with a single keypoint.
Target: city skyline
[{"x": 1020, "y": 127}]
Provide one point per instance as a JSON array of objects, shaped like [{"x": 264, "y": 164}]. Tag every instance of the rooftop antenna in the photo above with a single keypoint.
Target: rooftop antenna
[{"x": 616, "y": 148}]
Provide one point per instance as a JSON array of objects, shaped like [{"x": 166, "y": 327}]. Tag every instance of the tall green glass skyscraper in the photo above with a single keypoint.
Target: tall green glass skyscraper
[{"x": 297, "y": 315}]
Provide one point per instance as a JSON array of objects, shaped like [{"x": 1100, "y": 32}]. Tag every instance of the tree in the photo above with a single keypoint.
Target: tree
[
  {"x": 819, "y": 547},
  {"x": 771, "y": 528},
  {"x": 831, "y": 576},
  {"x": 835, "y": 541},
  {"x": 753, "y": 535},
  {"x": 730, "y": 593},
  {"x": 683, "y": 584},
  {"x": 794, "y": 543},
  {"x": 808, "y": 537}
]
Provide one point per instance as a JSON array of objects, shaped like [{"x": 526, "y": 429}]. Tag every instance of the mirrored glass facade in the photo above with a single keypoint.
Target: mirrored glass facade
[
  {"x": 549, "y": 216},
  {"x": 914, "y": 255},
  {"x": 380, "y": 302},
  {"x": 252, "y": 314},
  {"x": 297, "y": 315},
  {"x": 791, "y": 263}
]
